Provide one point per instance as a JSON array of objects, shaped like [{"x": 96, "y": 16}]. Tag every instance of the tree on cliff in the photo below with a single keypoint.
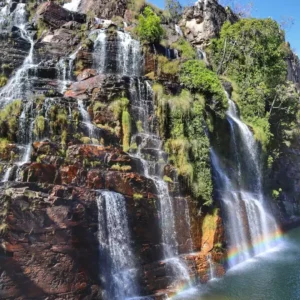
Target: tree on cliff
[{"x": 149, "y": 28}]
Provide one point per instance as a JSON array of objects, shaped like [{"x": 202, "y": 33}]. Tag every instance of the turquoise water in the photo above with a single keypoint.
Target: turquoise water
[{"x": 274, "y": 275}]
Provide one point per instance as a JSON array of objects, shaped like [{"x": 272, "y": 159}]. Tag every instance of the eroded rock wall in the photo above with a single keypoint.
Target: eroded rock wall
[{"x": 49, "y": 219}]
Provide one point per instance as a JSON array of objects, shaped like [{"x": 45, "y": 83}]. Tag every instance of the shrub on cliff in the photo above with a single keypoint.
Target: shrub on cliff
[
  {"x": 197, "y": 78},
  {"x": 252, "y": 53},
  {"x": 181, "y": 119},
  {"x": 149, "y": 27},
  {"x": 185, "y": 48},
  {"x": 9, "y": 117}
]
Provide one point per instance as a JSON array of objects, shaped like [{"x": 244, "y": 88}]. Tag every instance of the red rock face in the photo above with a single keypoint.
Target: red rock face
[
  {"x": 49, "y": 219},
  {"x": 85, "y": 86},
  {"x": 50, "y": 247}
]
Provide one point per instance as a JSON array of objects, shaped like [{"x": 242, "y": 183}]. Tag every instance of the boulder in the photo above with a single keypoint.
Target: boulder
[
  {"x": 104, "y": 9},
  {"x": 204, "y": 20},
  {"x": 85, "y": 86},
  {"x": 56, "y": 16}
]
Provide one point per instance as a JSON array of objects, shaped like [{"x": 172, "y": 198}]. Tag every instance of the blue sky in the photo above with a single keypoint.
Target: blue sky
[{"x": 276, "y": 9}]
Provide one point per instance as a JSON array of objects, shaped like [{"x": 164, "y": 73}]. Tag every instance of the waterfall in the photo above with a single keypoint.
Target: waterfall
[
  {"x": 248, "y": 223},
  {"x": 118, "y": 272},
  {"x": 10, "y": 17},
  {"x": 99, "y": 54},
  {"x": 87, "y": 120},
  {"x": 212, "y": 274},
  {"x": 178, "y": 30},
  {"x": 129, "y": 55},
  {"x": 65, "y": 70},
  {"x": 18, "y": 86},
  {"x": 128, "y": 60},
  {"x": 148, "y": 141},
  {"x": 73, "y": 5},
  {"x": 202, "y": 55},
  {"x": 7, "y": 174}
]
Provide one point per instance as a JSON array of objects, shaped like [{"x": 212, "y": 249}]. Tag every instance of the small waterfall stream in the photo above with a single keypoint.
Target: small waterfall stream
[
  {"x": 212, "y": 274},
  {"x": 65, "y": 71},
  {"x": 116, "y": 256},
  {"x": 248, "y": 223},
  {"x": 127, "y": 60},
  {"x": 19, "y": 86},
  {"x": 148, "y": 142}
]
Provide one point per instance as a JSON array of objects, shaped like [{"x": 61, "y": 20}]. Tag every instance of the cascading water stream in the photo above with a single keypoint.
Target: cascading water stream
[
  {"x": 129, "y": 55},
  {"x": 212, "y": 274},
  {"x": 86, "y": 118},
  {"x": 99, "y": 54},
  {"x": 116, "y": 256},
  {"x": 249, "y": 225},
  {"x": 128, "y": 60},
  {"x": 65, "y": 70},
  {"x": 143, "y": 110},
  {"x": 18, "y": 87}
]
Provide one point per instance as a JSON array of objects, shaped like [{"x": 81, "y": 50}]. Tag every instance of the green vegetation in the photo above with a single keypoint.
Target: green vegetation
[
  {"x": 276, "y": 193},
  {"x": 167, "y": 179},
  {"x": 149, "y": 28},
  {"x": 126, "y": 126},
  {"x": 186, "y": 141},
  {"x": 197, "y": 78},
  {"x": 3, "y": 80},
  {"x": 137, "y": 196},
  {"x": 139, "y": 126},
  {"x": 118, "y": 106},
  {"x": 41, "y": 27},
  {"x": 251, "y": 53},
  {"x": 98, "y": 106},
  {"x": 3, "y": 146},
  {"x": 185, "y": 48},
  {"x": 167, "y": 67},
  {"x": 210, "y": 221},
  {"x": 79, "y": 67},
  {"x": 39, "y": 126},
  {"x": 118, "y": 167},
  {"x": 9, "y": 117}
]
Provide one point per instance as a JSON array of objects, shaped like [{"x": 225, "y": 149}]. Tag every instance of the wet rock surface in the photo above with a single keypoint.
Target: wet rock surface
[{"x": 75, "y": 130}]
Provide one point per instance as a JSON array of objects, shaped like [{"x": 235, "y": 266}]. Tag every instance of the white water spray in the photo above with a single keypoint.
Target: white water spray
[
  {"x": 249, "y": 225},
  {"x": 116, "y": 255}
]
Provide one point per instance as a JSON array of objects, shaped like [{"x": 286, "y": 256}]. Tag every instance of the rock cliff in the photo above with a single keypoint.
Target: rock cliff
[
  {"x": 81, "y": 115},
  {"x": 70, "y": 142}
]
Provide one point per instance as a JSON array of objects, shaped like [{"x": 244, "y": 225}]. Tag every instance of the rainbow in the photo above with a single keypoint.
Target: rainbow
[
  {"x": 272, "y": 238},
  {"x": 178, "y": 290},
  {"x": 258, "y": 243}
]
